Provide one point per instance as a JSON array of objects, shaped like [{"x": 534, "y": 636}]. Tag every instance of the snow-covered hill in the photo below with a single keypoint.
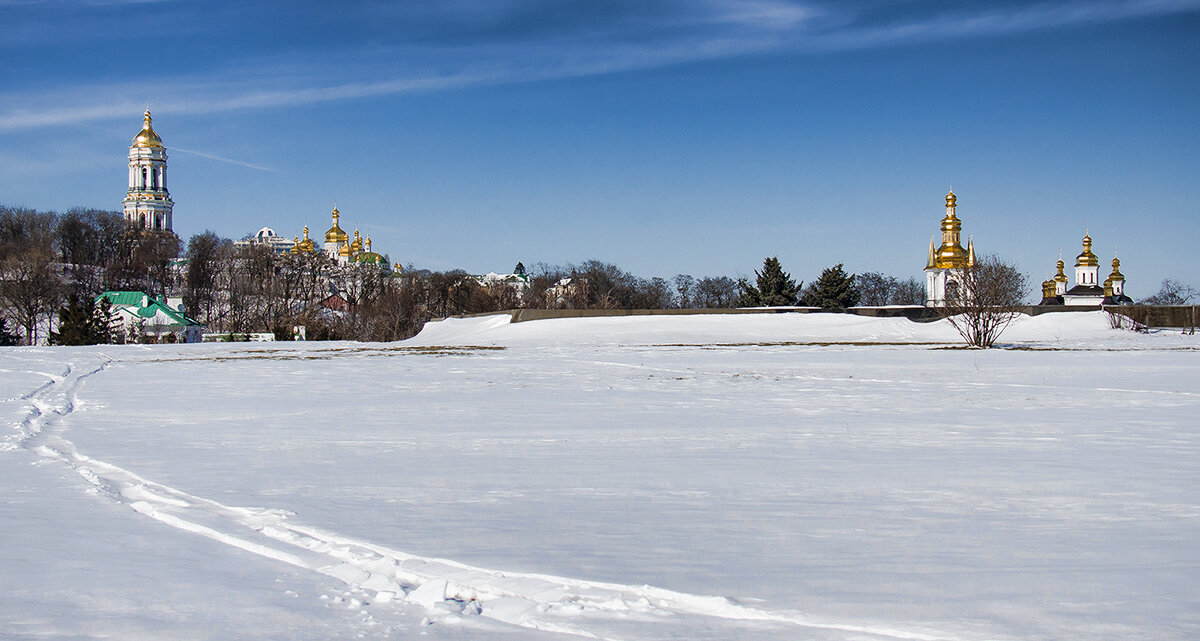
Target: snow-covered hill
[{"x": 695, "y": 477}]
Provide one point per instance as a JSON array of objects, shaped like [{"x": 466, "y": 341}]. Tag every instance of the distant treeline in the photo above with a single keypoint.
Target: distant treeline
[{"x": 48, "y": 258}]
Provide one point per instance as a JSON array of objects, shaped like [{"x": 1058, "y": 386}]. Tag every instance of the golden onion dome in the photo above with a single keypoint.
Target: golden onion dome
[
  {"x": 1116, "y": 272},
  {"x": 335, "y": 233},
  {"x": 1060, "y": 276},
  {"x": 952, "y": 257},
  {"x": 357, "y": 245},
  {"x": 305, "y": 245},
  {"x": 951, "y": 199},
  {"x": 146, "y": 137},
  {"x": 951, "y": 254},
  {"x": 1086, "y": 258}
]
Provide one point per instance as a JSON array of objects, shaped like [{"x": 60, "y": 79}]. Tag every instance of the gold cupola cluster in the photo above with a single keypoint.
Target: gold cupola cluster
[
  {"x": 306, "y": 246},
  {"x": 1088, "y": 289},
  {"x": 339, "y": 247}
]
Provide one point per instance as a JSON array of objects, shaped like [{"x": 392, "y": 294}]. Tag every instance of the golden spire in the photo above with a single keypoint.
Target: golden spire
[
  {"x": 306, "y": 232},
  {"x": 971, "y": 252},
  {"x": 146, "y": 137},
  {"x": 932, "y": 263}
]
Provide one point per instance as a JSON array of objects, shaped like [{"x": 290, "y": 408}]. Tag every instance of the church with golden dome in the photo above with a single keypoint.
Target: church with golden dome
[
  {"x": 943, "y": 270},
  {"x": 148, "y": 204},
  {"x": 339, "y": 248},
  {"x": 1087, "y": 289}
]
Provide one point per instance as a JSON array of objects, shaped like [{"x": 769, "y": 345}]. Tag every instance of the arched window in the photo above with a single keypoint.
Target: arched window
[
  {"x": 142, "y": 220},
  {"x": 145, "y": 178}
]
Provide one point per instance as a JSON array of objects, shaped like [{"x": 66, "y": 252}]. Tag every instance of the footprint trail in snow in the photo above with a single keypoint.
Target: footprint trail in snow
[{"x": 449, "y": 590}]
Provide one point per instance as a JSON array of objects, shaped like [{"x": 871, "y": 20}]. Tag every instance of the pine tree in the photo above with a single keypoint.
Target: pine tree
[
  {"x": 775, "y": 287},
  {"x": 83, "y": 322},
  {"x": 834, "y": 288},
  {"x": 7, "y": 338},
  {"x": 519, "y": 270}
]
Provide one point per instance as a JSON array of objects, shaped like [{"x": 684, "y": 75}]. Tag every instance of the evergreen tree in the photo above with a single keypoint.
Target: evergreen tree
[
  {"x": 774, "y": 287},
  {"x": 834, "y": 288},
  {"x": 519, "y": 270},
  {"x": 83, "y": 322},
  {"x": 7, "y": 338}
]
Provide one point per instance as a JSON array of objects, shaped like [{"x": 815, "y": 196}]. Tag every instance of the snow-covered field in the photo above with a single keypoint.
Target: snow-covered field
[{"x": 696, "y": 477}]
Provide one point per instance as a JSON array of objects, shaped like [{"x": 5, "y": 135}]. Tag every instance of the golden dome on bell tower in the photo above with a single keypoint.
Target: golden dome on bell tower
[
  {"x": 951, "y": 254},
  {"x": 146, "y": 137}
]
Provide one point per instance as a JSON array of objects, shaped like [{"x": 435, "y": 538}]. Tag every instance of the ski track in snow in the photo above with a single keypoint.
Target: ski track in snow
[{"x": 445, "y": 587}]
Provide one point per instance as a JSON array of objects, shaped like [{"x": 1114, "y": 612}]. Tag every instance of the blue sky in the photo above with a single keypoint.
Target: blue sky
[{"x": 665, "y": 136}]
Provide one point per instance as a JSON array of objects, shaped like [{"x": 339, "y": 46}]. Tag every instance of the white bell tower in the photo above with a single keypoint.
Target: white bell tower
[{"x": 147, "y": 203}]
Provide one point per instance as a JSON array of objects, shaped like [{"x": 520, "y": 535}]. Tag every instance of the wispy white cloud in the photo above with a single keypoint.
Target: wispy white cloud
[
  {"x": 231, "y": 161},
  {"x": 995, "y": 20},
  {"x": 706, "y": 30}
]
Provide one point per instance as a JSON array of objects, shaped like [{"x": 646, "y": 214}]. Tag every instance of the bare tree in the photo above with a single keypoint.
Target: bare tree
[
  {"x": 874, "y": 289},
  {"x": 685, "y": 291},
  {"x": 717, "y": 292},
  {"x": 984, "y": 300},
  {"x": 1172, "y": 292},
  {"x": 30, "y": 286},
  {"x": 908, "y": 292},
  {"x": 200, "y": 281}
]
